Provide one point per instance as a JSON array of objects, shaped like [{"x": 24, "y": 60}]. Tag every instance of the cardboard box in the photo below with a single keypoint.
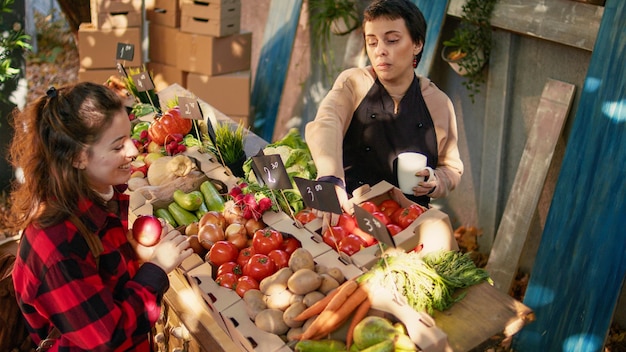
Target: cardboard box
[
  {"x": 213, "y": 55},
  {"x": 212, "y": 10},
  {"x": 162, "y": 44},
  {"x": 228, "y": 93},
  {"x": 166, "y": 75},
  {"x": 104, "y": 20},
  {"x": 164, "y": 12},
  {"x": 309, "y": 240},
  {"x": 246, "y": 335},
  {"x": 115, "y": 6},
  {"x": 209, "y": 26},
  {"x": 97, "y": 75},
  {"x": 97, "y": 48}
]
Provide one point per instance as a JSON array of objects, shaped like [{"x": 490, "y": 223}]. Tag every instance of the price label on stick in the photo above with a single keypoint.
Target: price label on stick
[
  {"x": 189, "y": 108},
  {"x": 125, "y": 51},
  {"x": 121, "y": 70},
  {"x": 142, "y": 81},
  {"x": 319, "y": 195},
  {"x": 370, "y": 224},
  {"x": 271, "y": 170}
]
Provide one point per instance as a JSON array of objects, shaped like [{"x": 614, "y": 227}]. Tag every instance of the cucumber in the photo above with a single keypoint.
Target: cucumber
[
  {"x": 320, "y": 346},
  {"x": 212, "y": 198},
  {"x": 166, "y": 215},
  {"x": 189, "y": 201},
  {"x": 182, "y": 216}
]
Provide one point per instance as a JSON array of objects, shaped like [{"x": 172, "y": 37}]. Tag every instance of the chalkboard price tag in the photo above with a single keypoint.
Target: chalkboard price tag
[
  {"x": 125, "y": 51},
  {"x": 143, "y": 81},
  {"x": 271, "y": 170},
  {"x": 121, "y": 69},
  {"x": 370, "y": 224},
  {"x": 319, "y": 195},
  {"x": 189, "y": 108}
]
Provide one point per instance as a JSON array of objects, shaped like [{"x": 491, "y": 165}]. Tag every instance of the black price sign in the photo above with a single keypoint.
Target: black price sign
[
  {"x": 143, "y": 81},
  {"x": 319, "y": 195},
  {"x": 271, "y": 170},
  {"x": 125, "y": 51},
  {"x": 370, "y": 224},
  {"x": 189, "y": 108},
  {"x": 121, "y": 70}
]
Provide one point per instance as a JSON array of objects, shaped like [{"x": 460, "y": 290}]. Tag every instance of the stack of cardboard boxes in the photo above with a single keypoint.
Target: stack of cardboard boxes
[
  {"x": 200, "y": 45},
  {"x": 112, "y": 22}
]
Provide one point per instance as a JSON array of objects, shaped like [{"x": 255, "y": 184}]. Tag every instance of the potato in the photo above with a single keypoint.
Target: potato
[
  {"x": 294, "y": 333},
  {"x": 255, "y": 302},
  {"x": 276, "y": 282},
  {"x": 312, "y": 297},
  {"x": 271, "y": 320},
  {"x": 321, "y": 269},
  {"x": 304, "y": 281},
  {"x": 291, "y": 313},
  {"x": 279, "y": 300},
  {"x": 328, "y": 284},
  {"x": 336, "y": 274},
  {"x": 301, "y": 259}
]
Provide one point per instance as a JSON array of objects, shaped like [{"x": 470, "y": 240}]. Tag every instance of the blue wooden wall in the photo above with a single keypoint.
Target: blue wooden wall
[
  {"x": 435, "y": 13},
  {"x": 580, "y": 266}
]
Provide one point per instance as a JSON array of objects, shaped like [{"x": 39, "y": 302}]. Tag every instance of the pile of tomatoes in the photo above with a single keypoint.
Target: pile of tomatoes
[
  {"x": 243, "y": 269},
  {"x": 347, "y": 237}
]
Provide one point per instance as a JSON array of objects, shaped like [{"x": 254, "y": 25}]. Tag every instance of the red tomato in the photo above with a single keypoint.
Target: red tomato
[
  {"x": 388, "y": 206},
  {"x": 351, "y": 244},
  {"x": 333, "y": 235},
  {"x": 230, "y": 267},
  {"x": 259, "y": 267},
  {"x": 290, "y": 244},
  {"x": 369, "y": 239},
  {"x": 393, "y": 229},
  {"x": 266, "y": 240},
  {"x": 169, "y": 123},
  {"x": 347, "y": 222},
  {"x": 384, "y": 219},
  {"x": 305, "y": 216},
  {"x": 369, "y": 206},
  {"x": 227, "y": 280},
  {"x": 245, "y": 283},
  {"x": 279, "y": 257},
  {"x": 407, "y": 215},
  {"x": 222, "y": 252},
  {"x": 245, "y": 255}
]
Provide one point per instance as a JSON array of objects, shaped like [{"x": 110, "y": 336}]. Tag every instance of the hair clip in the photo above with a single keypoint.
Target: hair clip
[{"x": 51, "y": 92}]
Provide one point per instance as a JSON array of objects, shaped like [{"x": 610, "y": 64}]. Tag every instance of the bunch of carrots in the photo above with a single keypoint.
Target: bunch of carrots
[{"x": 334, "y": 309}]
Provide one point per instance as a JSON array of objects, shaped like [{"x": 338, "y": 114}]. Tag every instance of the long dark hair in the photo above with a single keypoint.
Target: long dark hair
[
  {"x": 394, "y": 9},
  {"x": 50, "y": 135}
]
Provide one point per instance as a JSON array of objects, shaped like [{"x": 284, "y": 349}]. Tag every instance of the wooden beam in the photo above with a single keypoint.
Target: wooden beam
[
  {"x": 562, "y": 21},
  {"x": 552, "y": 111},
  {"x": 498, "y": 100}
]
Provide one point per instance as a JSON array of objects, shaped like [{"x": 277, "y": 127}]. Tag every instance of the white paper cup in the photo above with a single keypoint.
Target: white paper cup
[{"x": 409, "y": 163}]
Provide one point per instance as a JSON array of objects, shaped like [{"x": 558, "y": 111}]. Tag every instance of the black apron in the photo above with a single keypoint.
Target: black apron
[{"x": 377, "y": 135}]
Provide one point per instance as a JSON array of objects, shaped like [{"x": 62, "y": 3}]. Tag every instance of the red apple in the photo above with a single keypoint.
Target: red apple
[
  {"x": 147, "y": 230},
  {"x": 138, "y": 165}
]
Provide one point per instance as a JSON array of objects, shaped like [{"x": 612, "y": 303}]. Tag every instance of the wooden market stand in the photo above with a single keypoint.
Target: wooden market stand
[{"x": 482, "y": 314}]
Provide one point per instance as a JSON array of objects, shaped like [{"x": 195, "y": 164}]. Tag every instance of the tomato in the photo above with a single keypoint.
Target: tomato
[
  {"x": 393, "y": 229},
  {"x": 406, "y": 216},
  {"x": 222, "y": 252},
  {"x": 388, "y": 206},
  {"x": 351, "y": 244},
  {"x": 245, "y": 255},
  {"x": 384, "y": 219},
  {"x": 347, "y": 222},
  {"x": 230, "y": 267},
  {"x": 266, "y": 240},
  {"x": 369, "y": 206},
  {"x": 333, "y": 235},
  {"x": 171, "y": 122},
  {"x": 305, "y": 216},
  {"x": 259, "y": 267},
  {"x": 227, "y": 280},
  {"x": 279, "y": 257},
  {"x": 290, "y": 244},
  {"x": 245, "y": 283},
  {"x": 369, "y": 239}
]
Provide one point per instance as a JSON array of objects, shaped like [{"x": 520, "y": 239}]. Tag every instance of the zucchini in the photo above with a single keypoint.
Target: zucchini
[
  {"x": 189, "y": 201},
  {"x": 212, "y": 198},
  {"x": 166, "y": 215},
  {"x": 201, "y": 211},
  {"x": 182, "y": 216}
]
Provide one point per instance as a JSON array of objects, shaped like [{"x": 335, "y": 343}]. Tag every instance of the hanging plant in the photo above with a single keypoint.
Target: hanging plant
[
  {"x": 10, "y": 41},
  {"x": 469, "y": 48}
]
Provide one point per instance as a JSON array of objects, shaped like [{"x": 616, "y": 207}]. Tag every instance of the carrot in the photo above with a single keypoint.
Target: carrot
[
  {"x": 317, "y": 307},
  {"x": 359, "y": 314},
  {"x": 333, "y": 320},
  {"x": 343, "y": 292}
]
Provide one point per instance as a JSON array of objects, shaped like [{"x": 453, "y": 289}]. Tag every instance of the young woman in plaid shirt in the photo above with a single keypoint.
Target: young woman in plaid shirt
[{"x": 74, "y": 148}]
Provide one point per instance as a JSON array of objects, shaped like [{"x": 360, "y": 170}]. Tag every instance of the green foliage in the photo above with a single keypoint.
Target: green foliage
[
  {"x": 52, "y": 37},
  {"x": 11, "y": 40},
  {"x": 473, "y": 34}
]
